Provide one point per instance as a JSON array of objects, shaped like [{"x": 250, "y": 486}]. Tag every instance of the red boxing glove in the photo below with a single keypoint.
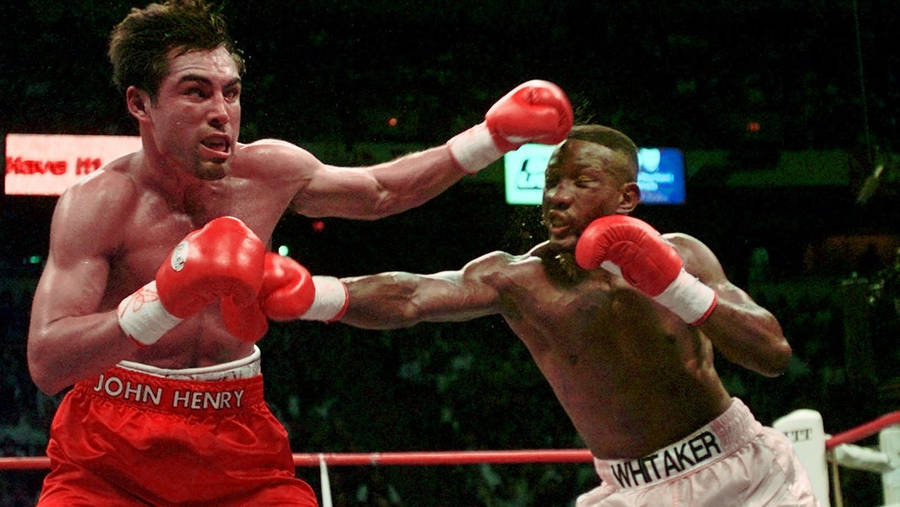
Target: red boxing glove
[
  {"x": 288, "y": 292},
  {"x": 536, "y": 111},
  {"x": 636, "y": 251},
  {"x": 222, "y": 260}
]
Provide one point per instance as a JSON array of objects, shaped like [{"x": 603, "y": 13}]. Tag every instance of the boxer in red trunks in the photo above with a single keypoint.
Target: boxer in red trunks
[
  {"x": 154, "y": 257},
  {"x": 623, "y": 323}
]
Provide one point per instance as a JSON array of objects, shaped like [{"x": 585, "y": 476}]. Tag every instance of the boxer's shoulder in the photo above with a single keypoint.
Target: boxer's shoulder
[
  {"x": 502, "y": 270},
  {"x": 271, "y": 158},
  {"x": 106, "y": 196}
]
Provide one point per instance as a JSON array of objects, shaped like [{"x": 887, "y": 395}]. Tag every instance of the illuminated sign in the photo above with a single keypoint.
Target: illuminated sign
[
  {"x": 46, "y": 164},
  {"x": 524, "y": 169},
  {"x": 660, "y": 175}
]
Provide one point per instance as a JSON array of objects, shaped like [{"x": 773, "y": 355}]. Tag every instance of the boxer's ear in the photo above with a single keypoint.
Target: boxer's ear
[
  {"x": 629, "y": 197},
  {"x": 138, "y": 102}
]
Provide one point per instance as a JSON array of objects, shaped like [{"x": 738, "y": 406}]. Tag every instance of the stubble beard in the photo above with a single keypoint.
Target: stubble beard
[
  {"x": 210, "y": 171},
  {"x": 562, "y": 268}
]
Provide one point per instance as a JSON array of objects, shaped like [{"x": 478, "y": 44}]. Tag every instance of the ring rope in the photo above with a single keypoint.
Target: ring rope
[
  {"x": 864, "y": 430},
  {"x": 467, "y": 457},
  {"x": 447, "y": 457}
]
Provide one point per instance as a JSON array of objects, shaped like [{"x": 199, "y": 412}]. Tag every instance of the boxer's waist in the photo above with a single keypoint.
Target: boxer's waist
[
  {"x": 721, "y": 437},
  {"x": 221, "y": 388},
  {"x": 241, "y": 368}
]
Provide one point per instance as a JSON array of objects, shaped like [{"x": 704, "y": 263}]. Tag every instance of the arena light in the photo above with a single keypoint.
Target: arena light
[
  {"x": 47, "y": 164},
  {"x": 660, "y": 175}
]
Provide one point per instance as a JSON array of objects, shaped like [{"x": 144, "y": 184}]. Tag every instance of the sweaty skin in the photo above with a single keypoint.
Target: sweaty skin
[
  {"x": 111, "y": 231},
  {"x": 631, "y": 375}
]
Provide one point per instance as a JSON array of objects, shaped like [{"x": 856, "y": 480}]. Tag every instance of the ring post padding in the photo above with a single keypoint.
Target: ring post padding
[
  {"x": 889, "y": 443},
  {"x": 804, "y": 428}
]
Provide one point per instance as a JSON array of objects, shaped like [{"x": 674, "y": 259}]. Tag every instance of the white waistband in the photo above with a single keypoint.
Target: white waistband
[
  {"x": 241, "y": 368},
  {"x": 719, "y": 438}
]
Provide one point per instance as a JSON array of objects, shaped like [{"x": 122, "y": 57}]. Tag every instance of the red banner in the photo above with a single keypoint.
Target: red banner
[{"x": 46, "y": 164}]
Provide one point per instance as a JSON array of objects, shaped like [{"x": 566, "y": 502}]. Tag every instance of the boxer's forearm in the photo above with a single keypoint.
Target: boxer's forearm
[
  {"x": 381, "y": 301},
  {"x": 73, "y": 348},
  {"x": 394, "y": 300}
]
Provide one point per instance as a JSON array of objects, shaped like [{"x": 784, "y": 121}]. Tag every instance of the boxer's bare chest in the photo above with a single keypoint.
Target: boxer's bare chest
[
  {"x": 561, "y": 313},
  {"x": 158, "y": 222},
  {"x": 613, "y": 358}
]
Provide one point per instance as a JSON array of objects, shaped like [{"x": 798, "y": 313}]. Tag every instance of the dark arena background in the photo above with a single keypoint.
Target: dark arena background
[{"x": 787, "y": 116}]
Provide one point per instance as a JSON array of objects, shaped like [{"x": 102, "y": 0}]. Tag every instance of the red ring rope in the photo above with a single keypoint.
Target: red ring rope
[
  {"x": 446, "y": 457},
  {"x": 864, "y": 430},
  {"x": 468, "y": 457}
]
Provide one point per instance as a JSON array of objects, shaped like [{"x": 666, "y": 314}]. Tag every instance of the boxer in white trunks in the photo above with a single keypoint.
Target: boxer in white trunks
[{"x": 623, "y": 323}]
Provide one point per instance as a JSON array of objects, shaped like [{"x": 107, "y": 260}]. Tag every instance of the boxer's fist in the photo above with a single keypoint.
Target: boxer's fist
[
  {"x": 636, "y": 251},
  {"x": 644, "y": 259},
  {"x": 288, "y": 292},
  {"x": 223, "y": 260},
  {"x": 536, "y": 111}
]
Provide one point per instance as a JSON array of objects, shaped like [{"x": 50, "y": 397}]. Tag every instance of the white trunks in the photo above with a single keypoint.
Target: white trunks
[{"x": 732, "y": 461}]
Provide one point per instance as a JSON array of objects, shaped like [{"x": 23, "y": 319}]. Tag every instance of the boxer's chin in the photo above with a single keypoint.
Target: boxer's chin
[
  {"x": 563, "y": 269},
  {"x": 211, "y": 170},
  {"x": 562, "y": 242}
]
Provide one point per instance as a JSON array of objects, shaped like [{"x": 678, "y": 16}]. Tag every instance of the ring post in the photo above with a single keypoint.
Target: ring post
[
  {"x": 326, "y": 483},
  {"x": 804, "y": 428},
  {"x": 889, "y": 442}
]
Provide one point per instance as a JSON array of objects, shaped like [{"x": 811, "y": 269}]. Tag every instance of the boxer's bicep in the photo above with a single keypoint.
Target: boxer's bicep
[
  {"x": 74, "y": 278},
  {"x": 700, "y": 261},
  {"x": 70, "y": 289}
]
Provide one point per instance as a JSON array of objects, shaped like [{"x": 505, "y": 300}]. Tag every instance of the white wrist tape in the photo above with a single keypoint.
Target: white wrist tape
[
  {"x": 689, "y": 298},
  {"x": 330, "y": 301},
  {"x": 142, "y": 316},
  {"x": 474, "y": 149},
  {"x": 612, "y": 268}
]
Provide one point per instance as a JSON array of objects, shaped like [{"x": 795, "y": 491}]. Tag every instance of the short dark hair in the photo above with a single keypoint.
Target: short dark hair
[
  {"x": 140, "y": 44},
  {"x": 612, "y": 139}
]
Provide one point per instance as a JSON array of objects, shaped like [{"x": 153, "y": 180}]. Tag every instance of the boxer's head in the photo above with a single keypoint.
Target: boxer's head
[
  {"x": 626, "y": 168},
  {"x": 142, "y": 44},
  {"x": 590, "y": 174}
]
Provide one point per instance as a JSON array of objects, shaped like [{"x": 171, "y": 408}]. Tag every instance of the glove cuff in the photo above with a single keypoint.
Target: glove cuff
[
  {"x": 330, "y": 302},
  {"x": 143, "y": 317},
  {"x": 474, "y": 149},
  {"x": 689, "y": 298}
]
